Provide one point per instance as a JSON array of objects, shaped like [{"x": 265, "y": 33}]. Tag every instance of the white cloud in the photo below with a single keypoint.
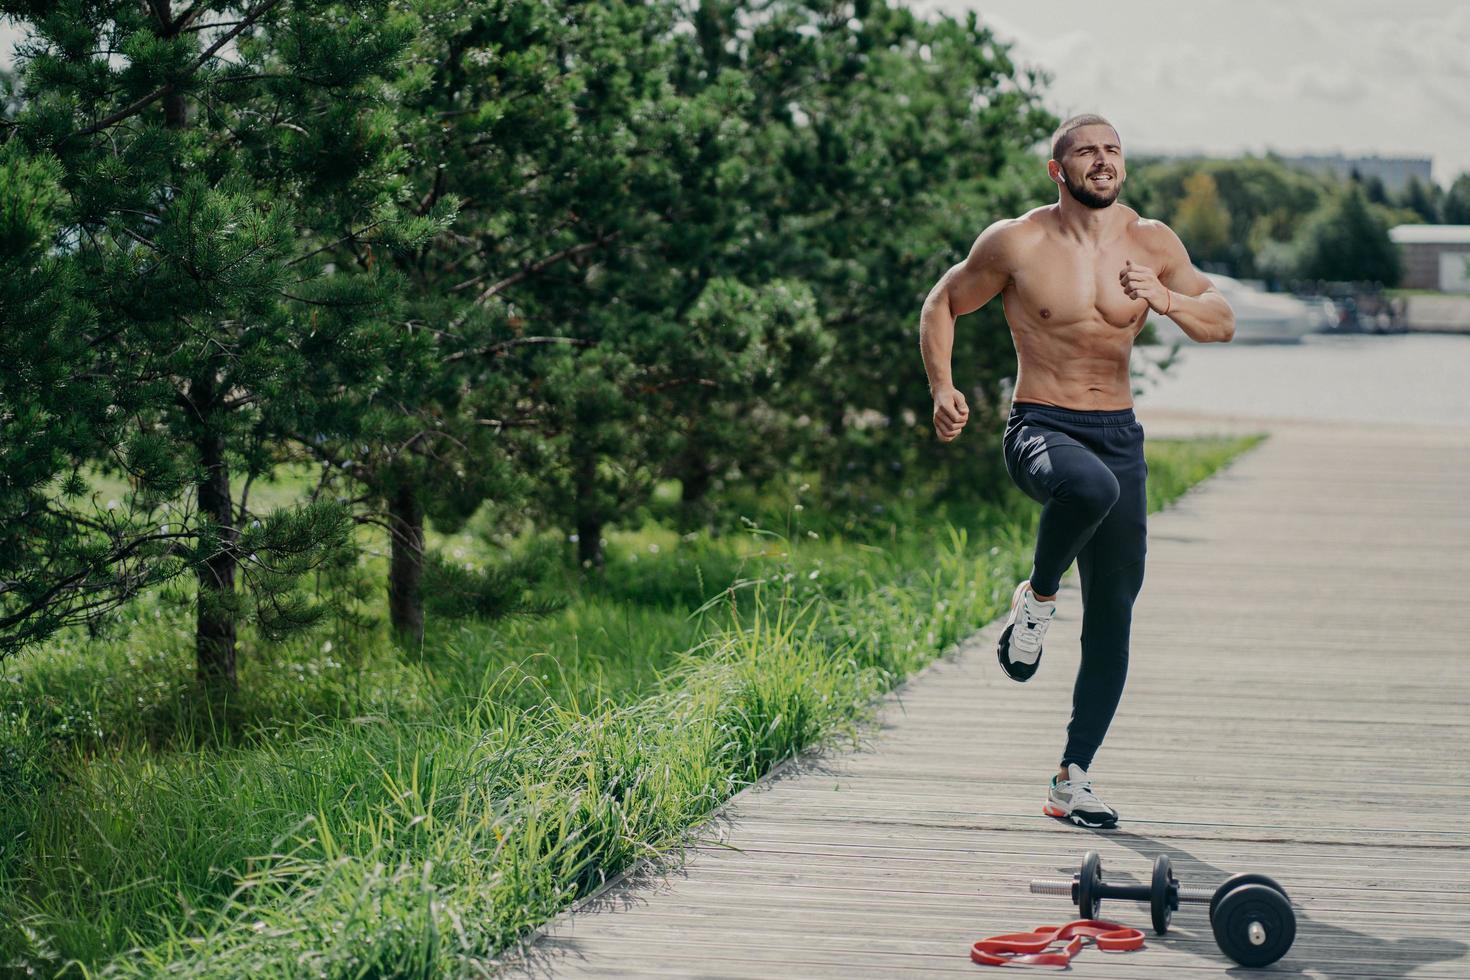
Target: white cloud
[
  {"x": 1329, "y": 83},
  {"x": 1434, "y": 45}
]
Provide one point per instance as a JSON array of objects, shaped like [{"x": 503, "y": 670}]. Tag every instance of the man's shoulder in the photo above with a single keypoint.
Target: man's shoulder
[
  {"x": 1151, "y": 231},
  {"x": 1020, "y": 230},
  {"x": 1034, "y": 222}
]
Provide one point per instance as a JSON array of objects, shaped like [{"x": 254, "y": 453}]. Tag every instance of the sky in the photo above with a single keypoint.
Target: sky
[
  {"x": 1229, "y": 76},
  {"x": 1390, "y": 77}
]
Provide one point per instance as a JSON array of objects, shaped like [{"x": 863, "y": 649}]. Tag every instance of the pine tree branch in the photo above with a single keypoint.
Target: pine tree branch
[
  {"x": 161, "y": 11},
  {"x": 151, "y": 216},
  {"x": 244, "y": 510},
  {"x": 205, "y": 27},
  {"x": 329, "y": 304},
  {"x": 267, "y": 75},
  {"x": 370, "y": 519},
  {"x": 648, "y": 389},
  {"x": 531, "y": 270},
  {"x": 78, "y": 519},
  {"x": 525, "y": 421},
  {"x": 432, "y": 197},
  {"x": 168, "y": 88},
  {"x": 74, "y": 583},
  {"x": 465, "y": 240},
  {"x": 350, "y": 236},
  {"x": 187, "y": 17},
  {"x": 494, "y": 349},
  {"x": 316, "y": 492},
  {"x": 142, "y": 239}
]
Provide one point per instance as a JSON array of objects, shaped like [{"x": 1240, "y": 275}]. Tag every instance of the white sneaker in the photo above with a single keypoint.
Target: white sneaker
[
  {"x": 1072, "y": 799},
  {"x": 1019, "y": 649}
]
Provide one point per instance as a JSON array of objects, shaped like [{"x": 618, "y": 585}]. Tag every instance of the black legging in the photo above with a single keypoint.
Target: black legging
[{"x": 1087, "y": 471}]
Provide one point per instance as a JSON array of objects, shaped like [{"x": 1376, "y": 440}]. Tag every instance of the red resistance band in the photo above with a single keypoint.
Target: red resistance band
[{"x": 1032, "y": 948}]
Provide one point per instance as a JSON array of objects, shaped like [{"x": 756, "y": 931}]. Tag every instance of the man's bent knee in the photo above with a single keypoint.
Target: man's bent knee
[{"x": 1095, "y": 491}]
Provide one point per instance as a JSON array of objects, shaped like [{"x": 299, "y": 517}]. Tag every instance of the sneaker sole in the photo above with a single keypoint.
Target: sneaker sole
[
  {"x": 1020, "y": 673},
  {"x": 1051, "y": 810},
  {"x": 1016, "y": 672}
]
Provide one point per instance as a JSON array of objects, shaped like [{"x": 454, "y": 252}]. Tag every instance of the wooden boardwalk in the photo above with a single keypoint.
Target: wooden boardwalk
[{"x": 1297, "y": 706}]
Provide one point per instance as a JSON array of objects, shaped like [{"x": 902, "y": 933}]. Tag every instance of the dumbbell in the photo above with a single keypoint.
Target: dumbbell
[{"x": 1249, "y": 914}]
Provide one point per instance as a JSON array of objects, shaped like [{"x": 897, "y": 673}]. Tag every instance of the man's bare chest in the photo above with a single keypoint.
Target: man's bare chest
[{"x": 1058, "y": 286}]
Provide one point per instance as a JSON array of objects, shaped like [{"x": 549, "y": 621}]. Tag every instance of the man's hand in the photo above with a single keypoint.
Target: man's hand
[
  {"x": 1140, "y": 280},
  {"x": 950, "y": 413}
]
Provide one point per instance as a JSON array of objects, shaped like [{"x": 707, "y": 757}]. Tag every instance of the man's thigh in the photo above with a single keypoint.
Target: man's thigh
[
  {"x": 1122, "y": 537},
  {"x": 1040, "y": 460}
]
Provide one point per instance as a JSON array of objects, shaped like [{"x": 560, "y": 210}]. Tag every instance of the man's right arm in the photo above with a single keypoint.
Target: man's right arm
[{"x": 966, "y": 287}]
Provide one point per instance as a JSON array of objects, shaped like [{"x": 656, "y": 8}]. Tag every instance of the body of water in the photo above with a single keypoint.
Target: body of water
[{"x": 1402, "y": 379}]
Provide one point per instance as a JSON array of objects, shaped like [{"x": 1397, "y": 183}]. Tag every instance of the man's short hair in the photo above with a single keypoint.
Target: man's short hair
[{"x": 1061, "y": 140}]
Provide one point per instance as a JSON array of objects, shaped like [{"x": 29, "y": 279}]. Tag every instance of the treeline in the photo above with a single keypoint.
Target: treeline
[
  {"x": 1258, "y": 217},
  {"x": 514, "y": 257}
]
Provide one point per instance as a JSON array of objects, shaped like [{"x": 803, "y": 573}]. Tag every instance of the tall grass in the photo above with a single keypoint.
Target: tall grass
[{"x": 414, "y": 817}]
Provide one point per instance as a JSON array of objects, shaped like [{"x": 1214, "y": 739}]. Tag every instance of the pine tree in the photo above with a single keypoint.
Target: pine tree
[
  {"x": 649, "y": 202},
  {"x": 206, "y": 175},
  {"x": 647, "y": 184},
  {"x": 60, "y": 564},
  {"x": 496, "y": 109}
]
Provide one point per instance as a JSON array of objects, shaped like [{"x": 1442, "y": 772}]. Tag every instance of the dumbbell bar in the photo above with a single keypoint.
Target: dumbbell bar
[
  {"x": 1249, "y": 914},
  {"x": 1087, "y": 890}
]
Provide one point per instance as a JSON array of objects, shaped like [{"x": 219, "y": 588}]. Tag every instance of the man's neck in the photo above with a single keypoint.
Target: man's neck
[{"x": 1092, "y": 227}]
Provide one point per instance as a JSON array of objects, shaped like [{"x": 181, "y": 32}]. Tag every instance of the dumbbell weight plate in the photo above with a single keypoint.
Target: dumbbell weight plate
[
  {"x": 1235, "y": 881},
  {"x": 1254, "y": 924},
  {"x": 1087, "y": 882},
  {"x": 1163, "y": 895}
]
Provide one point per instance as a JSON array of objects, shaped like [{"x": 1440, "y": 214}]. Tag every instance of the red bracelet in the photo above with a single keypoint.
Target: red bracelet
[{"x": 1170, "y": 297}]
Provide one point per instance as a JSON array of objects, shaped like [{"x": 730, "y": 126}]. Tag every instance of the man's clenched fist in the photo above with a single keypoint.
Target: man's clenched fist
[
  {"x": 1140, "y": 280},
  {"x": 950, "y": 413}
]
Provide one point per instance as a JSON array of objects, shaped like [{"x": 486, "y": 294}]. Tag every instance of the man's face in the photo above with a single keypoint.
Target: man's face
[{"x": 1092, "y": 168}]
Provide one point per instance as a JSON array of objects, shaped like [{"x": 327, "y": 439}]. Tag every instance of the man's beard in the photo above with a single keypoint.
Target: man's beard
[{"x": 1087, "y": 197}]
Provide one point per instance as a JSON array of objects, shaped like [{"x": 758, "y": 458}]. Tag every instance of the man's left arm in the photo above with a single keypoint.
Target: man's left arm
[{"x": 1180, "y": 291}]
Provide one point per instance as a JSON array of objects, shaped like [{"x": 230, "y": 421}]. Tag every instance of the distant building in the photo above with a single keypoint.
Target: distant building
[
  {"x": 1434, "y": 256},
  {"x": 1393, "y": 171}
]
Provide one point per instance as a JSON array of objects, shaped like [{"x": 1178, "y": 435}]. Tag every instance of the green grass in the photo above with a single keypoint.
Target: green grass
[
  {"x": 1400, "y": 292},
  {"x": 360, "y": 813}
]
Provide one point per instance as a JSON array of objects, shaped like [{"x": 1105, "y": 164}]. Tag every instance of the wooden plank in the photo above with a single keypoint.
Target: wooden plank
[{"x": 1276, "y": 719}]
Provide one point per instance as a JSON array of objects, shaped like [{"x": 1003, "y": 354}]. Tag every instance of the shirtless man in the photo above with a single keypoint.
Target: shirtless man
[{"x": 1076, "y": 279}]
